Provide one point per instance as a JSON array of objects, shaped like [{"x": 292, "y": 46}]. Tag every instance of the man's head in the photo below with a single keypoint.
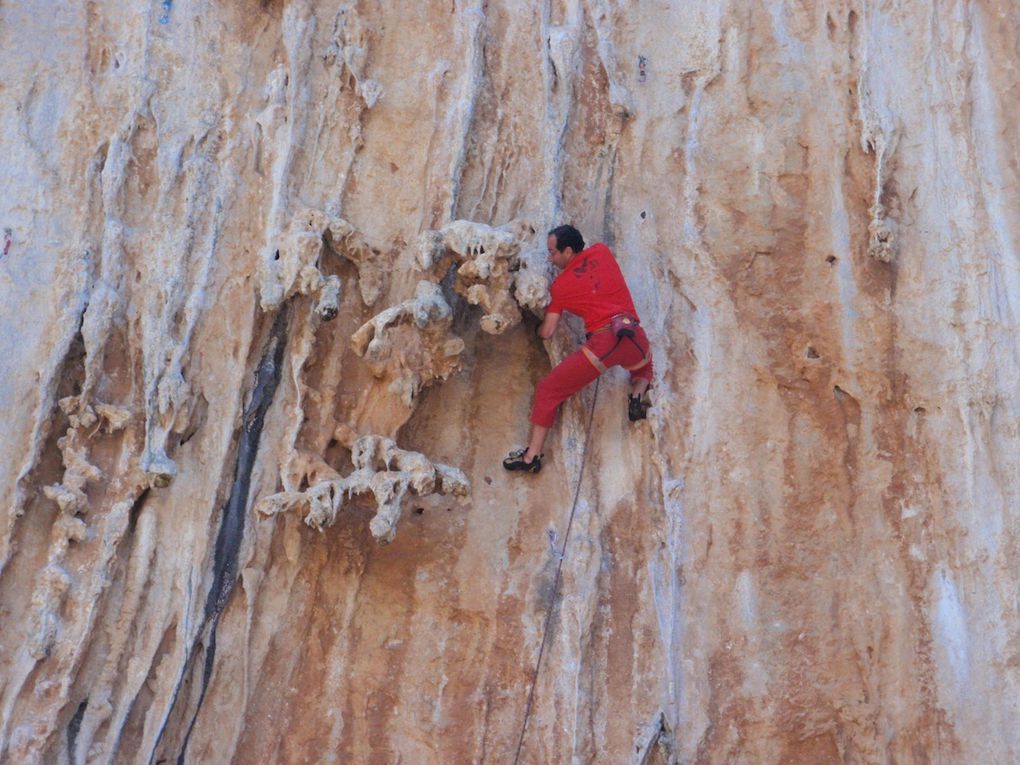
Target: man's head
[{"x": 564, "y": 242}]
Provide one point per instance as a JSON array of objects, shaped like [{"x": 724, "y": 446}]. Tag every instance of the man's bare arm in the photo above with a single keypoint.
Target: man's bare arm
[{"x": 549, "y": 324}]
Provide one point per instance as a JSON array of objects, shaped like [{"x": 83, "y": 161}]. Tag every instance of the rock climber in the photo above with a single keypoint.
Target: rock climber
[{"x": 591, "y": 286}]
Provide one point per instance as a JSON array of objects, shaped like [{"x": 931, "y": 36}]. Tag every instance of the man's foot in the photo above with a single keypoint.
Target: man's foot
[
  {"x": 637, "y": 408},
  {"x": 515, "y": 461}
]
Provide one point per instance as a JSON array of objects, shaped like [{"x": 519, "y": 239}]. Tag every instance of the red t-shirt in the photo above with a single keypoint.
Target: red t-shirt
[{"x": 592, "y": 287}]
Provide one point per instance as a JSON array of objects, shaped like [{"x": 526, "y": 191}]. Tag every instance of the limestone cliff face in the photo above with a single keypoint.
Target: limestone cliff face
[{"x": 268, "y": 284}]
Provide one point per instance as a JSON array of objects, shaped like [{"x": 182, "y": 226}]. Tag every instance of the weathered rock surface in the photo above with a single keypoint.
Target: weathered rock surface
[{"x": 215, "y": 221}]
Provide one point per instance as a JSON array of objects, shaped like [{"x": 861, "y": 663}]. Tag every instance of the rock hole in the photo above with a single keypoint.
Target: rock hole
[
  {"x": 488, "y": 480},
  {"x": 196, "y": 419},
  {"x": 74, "y": 726},
  {"x": 136, "y": 509},
  {"x": 831, "y": 259},
  {"x": 277, "y": 255},
  {"x": 419, "y": 510},
  {"x": 920, "y": 410},
  {"x": 811, "y": 352},
  {"x": 643, "y": 215}
]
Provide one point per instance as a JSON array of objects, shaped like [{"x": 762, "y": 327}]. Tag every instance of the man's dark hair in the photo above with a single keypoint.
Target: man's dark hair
[{"x": 567, "y": 236}]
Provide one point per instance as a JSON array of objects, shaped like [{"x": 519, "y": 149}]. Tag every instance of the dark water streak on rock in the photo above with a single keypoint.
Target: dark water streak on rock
[{"x": 232, "y": 525}]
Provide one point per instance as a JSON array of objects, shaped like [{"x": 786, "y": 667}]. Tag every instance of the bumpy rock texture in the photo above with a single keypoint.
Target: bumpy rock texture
[{"x": 286, "y": 255}]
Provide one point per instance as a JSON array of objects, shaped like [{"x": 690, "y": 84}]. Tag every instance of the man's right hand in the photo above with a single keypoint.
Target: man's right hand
[{"x": 548, "y": 326}]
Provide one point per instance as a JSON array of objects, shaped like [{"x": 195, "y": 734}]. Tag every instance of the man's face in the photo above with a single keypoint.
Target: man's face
[{"x": 558, "y": 258}]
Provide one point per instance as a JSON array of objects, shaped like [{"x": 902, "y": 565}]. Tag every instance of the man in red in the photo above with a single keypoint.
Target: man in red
[{"x": 592, "y": 287}]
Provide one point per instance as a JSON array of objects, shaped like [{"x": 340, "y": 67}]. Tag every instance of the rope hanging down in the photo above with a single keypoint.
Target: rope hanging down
[{"x": 559, "y": 569}]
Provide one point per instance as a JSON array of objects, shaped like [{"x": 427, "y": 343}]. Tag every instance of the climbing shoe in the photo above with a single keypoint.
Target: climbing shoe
[
  {"x": 637, "y": 408},
  {"x": 515, "y": 461}
]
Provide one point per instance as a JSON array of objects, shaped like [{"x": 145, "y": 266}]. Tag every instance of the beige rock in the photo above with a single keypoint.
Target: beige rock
[
  {"x": 487, "y": 257},
  {"x": 423, "y": 352},
  {"x": 807, "y": 554},
  {"x": 382, "y": 470}
]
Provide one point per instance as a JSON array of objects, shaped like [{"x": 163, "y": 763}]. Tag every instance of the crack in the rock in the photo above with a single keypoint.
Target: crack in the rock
[
  {"x": 73, "y": 727},
  {"x": 231, "y": 531},
  {"x": 228, "y": 541}
]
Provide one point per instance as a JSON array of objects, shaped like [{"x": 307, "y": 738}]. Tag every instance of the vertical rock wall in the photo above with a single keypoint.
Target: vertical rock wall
[{"x": 267, "y": 289}]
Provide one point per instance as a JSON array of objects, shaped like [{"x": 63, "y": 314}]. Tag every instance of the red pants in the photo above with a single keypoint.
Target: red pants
[{"x": 578, "y": 370}]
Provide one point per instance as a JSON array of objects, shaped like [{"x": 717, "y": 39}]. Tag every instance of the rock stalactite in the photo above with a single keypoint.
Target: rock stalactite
[{"x": 269, "y": 275}]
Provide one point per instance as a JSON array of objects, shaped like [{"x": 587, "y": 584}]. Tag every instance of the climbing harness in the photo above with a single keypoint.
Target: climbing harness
[
  {"x": 559, "y": 570},
  {"x": 622, "y": 326}
]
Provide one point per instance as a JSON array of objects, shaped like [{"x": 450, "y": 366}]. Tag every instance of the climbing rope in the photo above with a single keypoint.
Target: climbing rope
[{"x": 559, "y": 569}]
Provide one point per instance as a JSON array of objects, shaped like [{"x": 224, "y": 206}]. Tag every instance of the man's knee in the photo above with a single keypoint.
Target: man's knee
[
  {"x": 544, "y": 388},
  {"x": 559, "y": 381}
]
